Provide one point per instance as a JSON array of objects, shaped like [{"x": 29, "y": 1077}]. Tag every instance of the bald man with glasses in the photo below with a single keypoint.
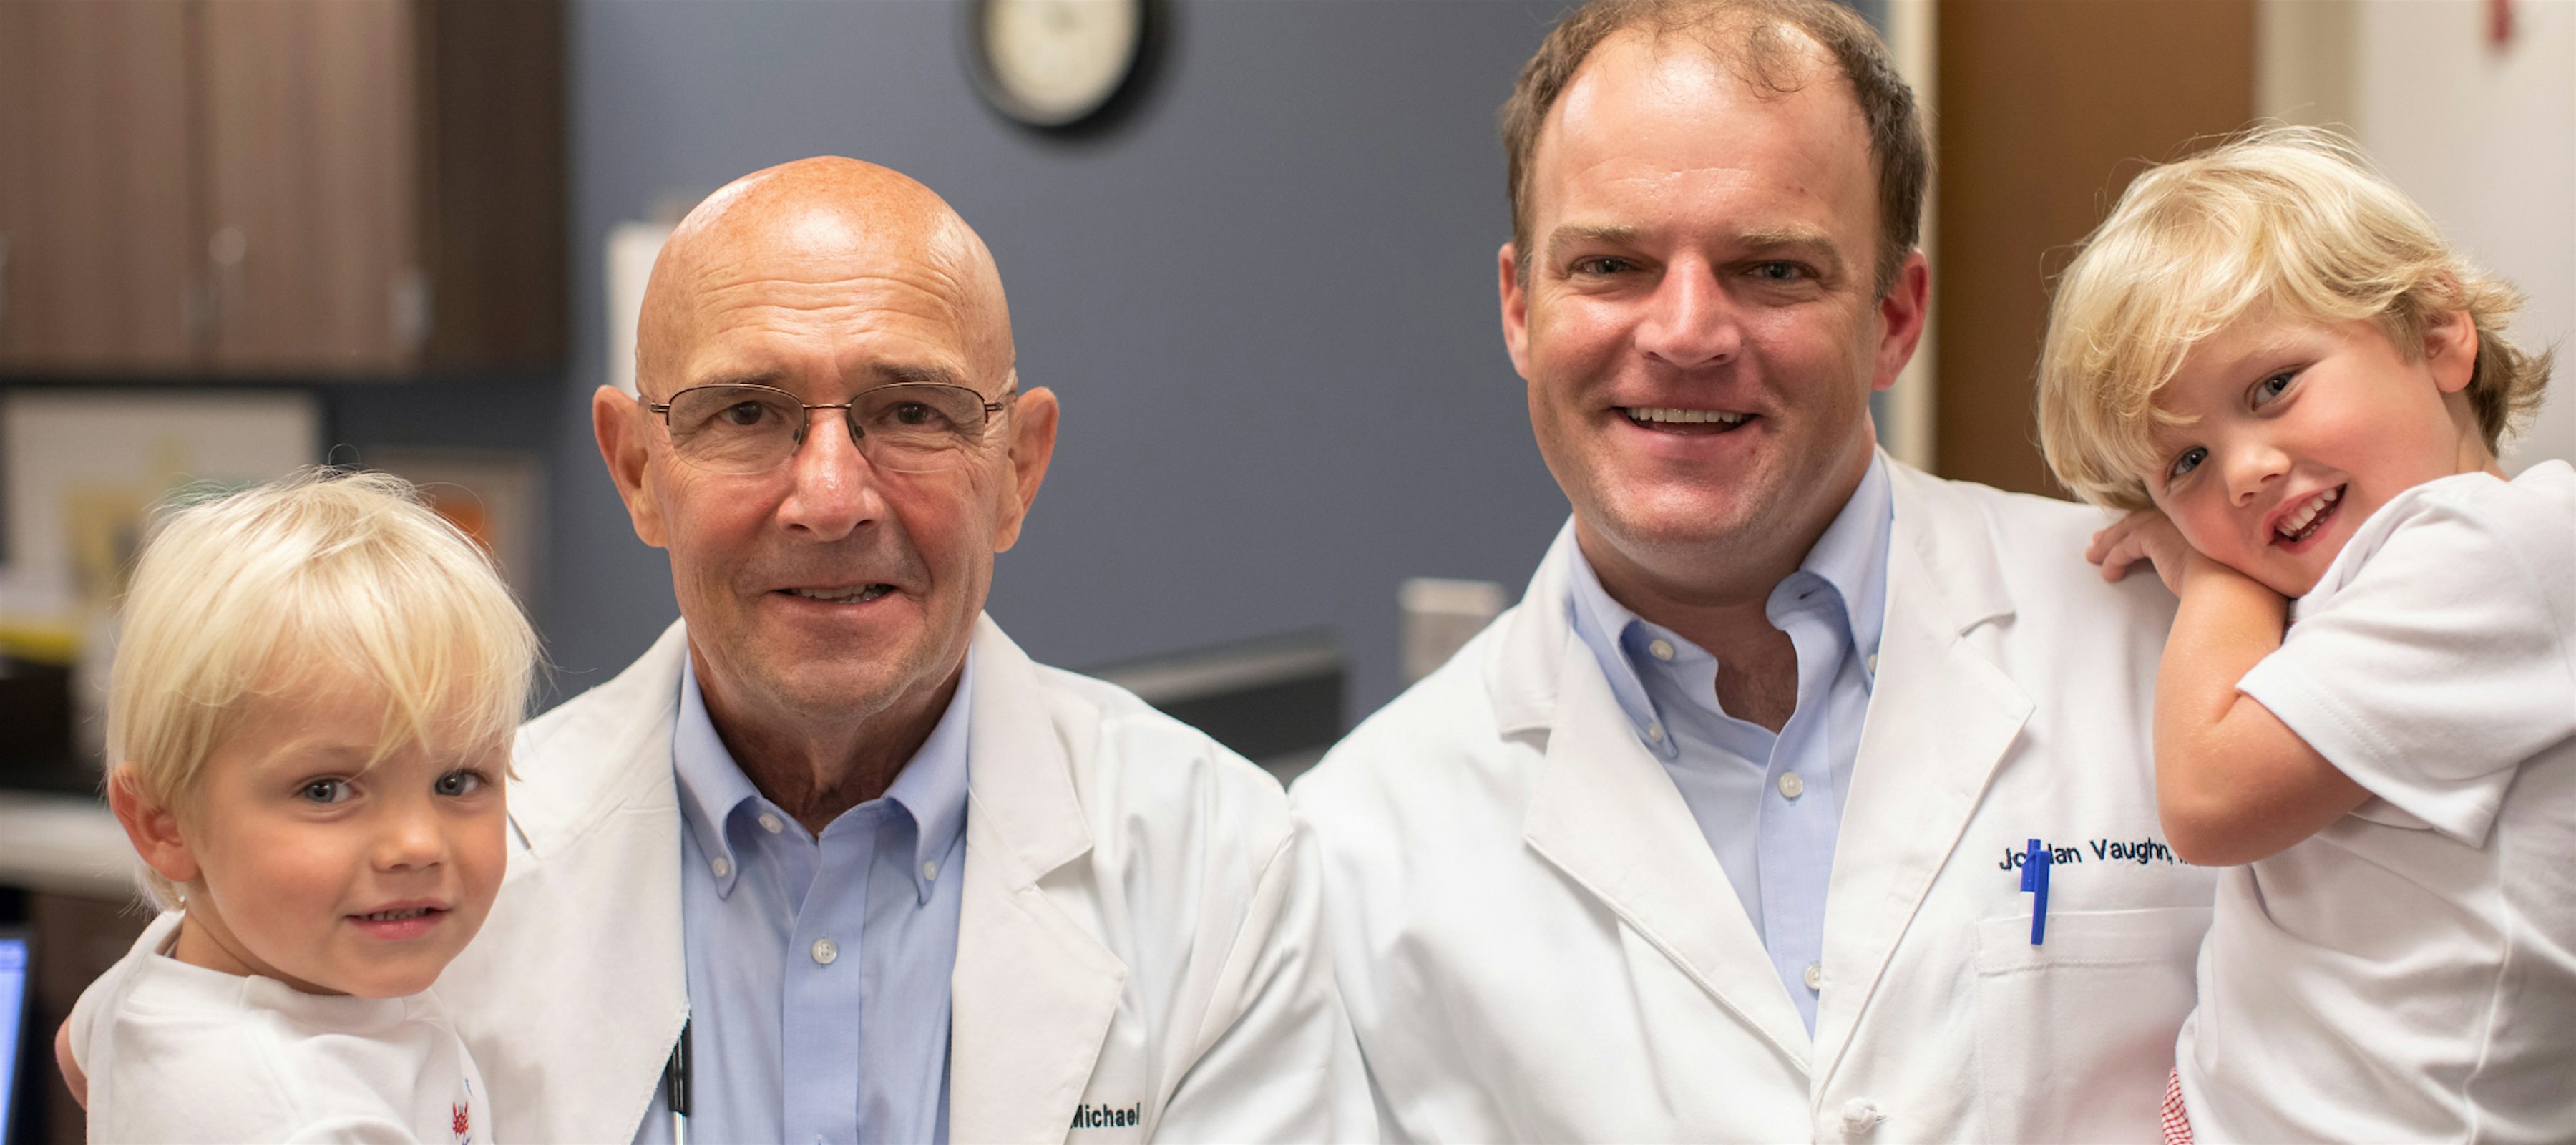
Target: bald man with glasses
[{"x": 835, "y": 861}]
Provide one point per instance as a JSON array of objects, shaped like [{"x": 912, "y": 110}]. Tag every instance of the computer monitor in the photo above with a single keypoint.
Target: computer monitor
[{"x": 13, "y": 1022}]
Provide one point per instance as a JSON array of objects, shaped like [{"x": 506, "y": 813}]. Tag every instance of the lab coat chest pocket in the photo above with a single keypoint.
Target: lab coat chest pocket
[{"x": 2075, "y": 1036}]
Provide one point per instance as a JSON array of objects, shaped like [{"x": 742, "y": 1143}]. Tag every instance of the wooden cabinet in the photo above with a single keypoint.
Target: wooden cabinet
[
  {"x": 96, "y": 163},
  {"x": 296, "y": 188}
]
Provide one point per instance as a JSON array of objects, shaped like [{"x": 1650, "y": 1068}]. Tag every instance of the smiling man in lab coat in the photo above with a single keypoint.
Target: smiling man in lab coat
[
  {"x": 896, "y": 881},
  {"x": 1720, "y": 833}
]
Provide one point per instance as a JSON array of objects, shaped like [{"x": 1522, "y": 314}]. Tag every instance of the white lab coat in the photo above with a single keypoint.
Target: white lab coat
[
  {"x": 1537, "y": 944},
  {"x": 1140, "y": 929}
]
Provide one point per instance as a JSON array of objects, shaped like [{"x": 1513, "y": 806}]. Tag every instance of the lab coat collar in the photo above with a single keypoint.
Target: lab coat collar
[
  {"x": 1939, "y": 723},
  {"x": 601, "y": 813},
  {"x": 575, "y": 790},
  {"x": 1605, "y": 813},
  {"x": 1033, "y": 990},
  {"x": 1522, "y": 666}
]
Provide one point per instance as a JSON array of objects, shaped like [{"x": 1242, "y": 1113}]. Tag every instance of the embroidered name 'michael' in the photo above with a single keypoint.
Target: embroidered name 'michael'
[{"x": 1104, "y": 1117}]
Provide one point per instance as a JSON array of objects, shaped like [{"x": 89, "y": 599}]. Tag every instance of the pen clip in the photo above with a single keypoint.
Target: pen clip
[
  {"x": 2034, "y": 878},
  {"x": 675, "y": 1075}
]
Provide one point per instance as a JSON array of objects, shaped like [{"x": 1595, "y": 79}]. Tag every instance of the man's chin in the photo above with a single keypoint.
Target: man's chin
[
  {"x": 834, "y": 691},
  {"x": 1698, "y": 521}
]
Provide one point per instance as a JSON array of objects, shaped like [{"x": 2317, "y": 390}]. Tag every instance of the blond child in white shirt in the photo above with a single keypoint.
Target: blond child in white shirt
[
  {"x": 2367, "y": 705},
  {"x": 310, "y": 716}
]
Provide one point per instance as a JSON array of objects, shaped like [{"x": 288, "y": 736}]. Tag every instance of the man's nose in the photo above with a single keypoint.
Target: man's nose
[
  {"x": 832, "y": 487},
  {"x": 1689, "y": 320}
]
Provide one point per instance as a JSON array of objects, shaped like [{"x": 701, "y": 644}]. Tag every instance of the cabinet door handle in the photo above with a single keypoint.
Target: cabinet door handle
[{"x": 226, "y": 249}]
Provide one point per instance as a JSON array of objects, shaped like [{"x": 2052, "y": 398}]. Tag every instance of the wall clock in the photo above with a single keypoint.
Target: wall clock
[{"x": 1059, "y": 65}]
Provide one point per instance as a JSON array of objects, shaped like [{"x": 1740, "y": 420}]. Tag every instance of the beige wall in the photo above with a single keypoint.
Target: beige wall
[{"x": 2483, "y": 135}]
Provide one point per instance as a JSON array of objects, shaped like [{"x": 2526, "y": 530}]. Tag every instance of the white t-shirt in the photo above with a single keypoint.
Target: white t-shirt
[
  {"x": 2409, "y": 973},
  {"x": 176, "y": 1053}
]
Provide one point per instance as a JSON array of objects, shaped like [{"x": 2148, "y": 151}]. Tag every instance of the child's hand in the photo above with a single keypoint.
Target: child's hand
[{"x": 2146, "y": 535}]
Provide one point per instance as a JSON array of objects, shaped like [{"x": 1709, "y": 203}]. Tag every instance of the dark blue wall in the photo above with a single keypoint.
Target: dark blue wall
[{"x": 1267, "y": 302}]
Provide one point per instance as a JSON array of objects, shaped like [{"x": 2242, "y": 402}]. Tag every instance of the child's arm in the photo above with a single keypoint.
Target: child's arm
[
  {"x": 73, "y": 1079},
  {"x": 2233, "y": 783}
]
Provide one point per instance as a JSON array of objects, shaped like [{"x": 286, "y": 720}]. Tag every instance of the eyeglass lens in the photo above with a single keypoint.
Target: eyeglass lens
[{"x": 911, "y": 427}]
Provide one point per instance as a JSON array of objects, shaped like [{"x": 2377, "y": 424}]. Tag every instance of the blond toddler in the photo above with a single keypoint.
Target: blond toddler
[
  {"x": 315, "y": 688},
  {"x": 2367, "y": 705}
]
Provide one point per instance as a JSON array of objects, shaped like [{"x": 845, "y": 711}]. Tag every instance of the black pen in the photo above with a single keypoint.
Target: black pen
[{"x": 675, "y": 1087}]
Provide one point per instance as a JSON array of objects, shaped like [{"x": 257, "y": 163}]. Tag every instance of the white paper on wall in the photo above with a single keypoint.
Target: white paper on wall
[{"x": 632, "y": 247}]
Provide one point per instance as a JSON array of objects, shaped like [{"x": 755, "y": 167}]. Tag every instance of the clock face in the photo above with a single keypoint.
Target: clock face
[{"x": 1052, "y": 63}]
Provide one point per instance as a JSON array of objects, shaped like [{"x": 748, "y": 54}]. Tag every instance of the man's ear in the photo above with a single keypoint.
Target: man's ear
[
  {"x": 1515, "y": 300},
  {"x": 1901, "y": 317},
  {"x": 620, "y": 423},
  {"x": 2451, "y": 350},
  {"x": 151, "y": 827},
  {"x": 1033, "y": 418}
]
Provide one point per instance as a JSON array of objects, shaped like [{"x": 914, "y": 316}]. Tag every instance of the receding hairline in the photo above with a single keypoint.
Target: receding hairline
[{"x": 1757, "y": 43}]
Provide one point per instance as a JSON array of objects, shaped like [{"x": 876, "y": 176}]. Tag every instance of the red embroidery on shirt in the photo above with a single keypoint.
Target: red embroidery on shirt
[{"x": 460, "y": 1119}]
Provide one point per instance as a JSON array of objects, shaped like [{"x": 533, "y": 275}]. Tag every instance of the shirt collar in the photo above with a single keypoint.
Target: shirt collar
[
  {"x": 1851, "y": 557},
  {"x": 931, "y": 787}
]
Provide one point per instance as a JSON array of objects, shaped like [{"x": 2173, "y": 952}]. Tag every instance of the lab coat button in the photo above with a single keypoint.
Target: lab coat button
[
  {"x": 1660, "y": 649},
  {"x": 1815, "y": 976},
  {"x": 770, "y": 823},
  {"x": 722, "y": 866},
  {"x": 1860, "y": 1115},
  {"x": 826, "y": 951},
  {"x": 1792, "y": 786}
]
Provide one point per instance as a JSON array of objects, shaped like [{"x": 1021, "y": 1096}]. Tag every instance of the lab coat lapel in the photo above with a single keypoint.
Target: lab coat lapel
[
  {"x": 1606, "y": 814},
  {"x": 1941, "y": 718},
  {"x": 581, "y": 1043},
  {"x": 1033, "y": 992}
]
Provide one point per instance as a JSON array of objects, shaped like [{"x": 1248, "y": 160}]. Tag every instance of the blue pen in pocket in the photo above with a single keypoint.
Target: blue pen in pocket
[{"x": 2034, "y": 878}]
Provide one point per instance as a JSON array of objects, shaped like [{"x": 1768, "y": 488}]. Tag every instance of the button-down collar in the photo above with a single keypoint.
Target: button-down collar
[
  {"x": 716, "y": 798},
  {"x": 1850, "y": 558}
]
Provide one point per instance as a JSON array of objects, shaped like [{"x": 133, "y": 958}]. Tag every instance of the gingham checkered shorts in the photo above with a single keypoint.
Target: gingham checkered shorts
[{"x": 2177, "y": 1122}]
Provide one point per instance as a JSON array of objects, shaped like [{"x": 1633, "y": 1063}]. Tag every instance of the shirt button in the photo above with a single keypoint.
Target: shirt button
[
  {"x": 1655, "y": 733},
  {"x": 826, "y": 951},
  {"x": 1872, "y": 661},
  {"x": 1815, "y": 976},
  {"x": 930, "y": 870},
  {"x": 722, "y": 866},
  {"x": 1660, "y": 649},
  {"x": 770, "y": 823},
  {"x": 1791, "y": 785}
]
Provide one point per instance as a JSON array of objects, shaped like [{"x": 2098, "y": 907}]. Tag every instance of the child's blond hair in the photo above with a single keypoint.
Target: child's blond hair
[
  {"x": 244, "y": 596},
  {"x": 2286, "y": 221}
]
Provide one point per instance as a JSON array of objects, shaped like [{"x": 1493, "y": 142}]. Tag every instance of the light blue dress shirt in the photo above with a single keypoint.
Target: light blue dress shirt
[
  {"x": 818, "y": 966},
  {"x": 1769, "y": 805}
]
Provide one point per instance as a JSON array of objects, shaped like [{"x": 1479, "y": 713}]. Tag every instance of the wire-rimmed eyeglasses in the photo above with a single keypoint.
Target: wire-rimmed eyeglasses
[{"x": 744, "y": 430}]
